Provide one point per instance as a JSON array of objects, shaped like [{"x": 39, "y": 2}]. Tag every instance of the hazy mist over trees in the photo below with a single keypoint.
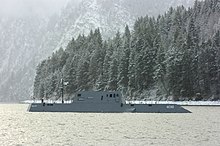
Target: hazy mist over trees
[{"x": 23, "y": 8}]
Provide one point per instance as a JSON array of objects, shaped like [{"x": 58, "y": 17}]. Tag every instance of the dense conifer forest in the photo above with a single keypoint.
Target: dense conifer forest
[{"x": 175, "y": 56}]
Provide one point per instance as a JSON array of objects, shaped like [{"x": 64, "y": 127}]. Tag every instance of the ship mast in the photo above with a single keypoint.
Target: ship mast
[
  {"x": 63, "y": 83},
  {"x": 61, "y": 88}
]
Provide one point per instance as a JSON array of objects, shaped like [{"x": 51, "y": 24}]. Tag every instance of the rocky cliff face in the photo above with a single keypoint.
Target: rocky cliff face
[{"x": 27, "y": 40}]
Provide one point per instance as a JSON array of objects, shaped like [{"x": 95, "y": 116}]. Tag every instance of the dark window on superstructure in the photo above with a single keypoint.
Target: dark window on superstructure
[
  {"x": 106, "y": 95},
  {"x": 110, "y": 95},
  {"x": 113, "y": 95},
  {"x": 79, "y": 95},
  {"x": 149, "y": 104},
  {"x": 121, "y": 104},
  {"x": 117, "y": 95},
  {"x": 102, "y": 98},
  {"x": 132, "y": 104}
]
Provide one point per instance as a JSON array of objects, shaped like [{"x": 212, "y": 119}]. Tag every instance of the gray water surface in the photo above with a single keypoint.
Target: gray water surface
[{"x": 19, "y": 127}]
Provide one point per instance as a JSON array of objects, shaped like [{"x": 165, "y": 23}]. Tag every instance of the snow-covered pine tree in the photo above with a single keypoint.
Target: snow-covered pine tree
[
  {"x": 124, "y": 62},
  {"x": 113, "y": 74}
]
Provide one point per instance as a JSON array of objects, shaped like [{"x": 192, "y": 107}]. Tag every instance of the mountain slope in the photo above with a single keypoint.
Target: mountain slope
[{"x": 25, "y": 41}]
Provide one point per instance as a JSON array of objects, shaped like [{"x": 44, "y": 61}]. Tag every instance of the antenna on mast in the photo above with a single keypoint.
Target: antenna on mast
[{"x": 61, "y": 88}]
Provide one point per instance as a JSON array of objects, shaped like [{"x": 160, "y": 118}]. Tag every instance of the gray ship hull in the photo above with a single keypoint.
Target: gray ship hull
[
  {"x": 106, "y": 108},
  {"x": 103, "y": 102}
]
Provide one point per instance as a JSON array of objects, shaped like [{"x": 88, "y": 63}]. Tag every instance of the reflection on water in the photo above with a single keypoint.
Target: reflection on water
[{"x": 19, "y": 127}]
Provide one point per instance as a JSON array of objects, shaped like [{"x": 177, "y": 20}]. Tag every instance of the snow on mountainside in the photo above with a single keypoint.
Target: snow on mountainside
[
  {"x": 26, "y": 41},
  {"x": 111, "y": 16},
  {"x": 93, "y": 14},
  {"x": 20, "y": 39},
  {"x": 153, "y": 7}
]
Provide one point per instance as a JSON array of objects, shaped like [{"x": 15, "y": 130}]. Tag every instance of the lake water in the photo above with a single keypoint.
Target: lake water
[{"x": 19, "y": 127}]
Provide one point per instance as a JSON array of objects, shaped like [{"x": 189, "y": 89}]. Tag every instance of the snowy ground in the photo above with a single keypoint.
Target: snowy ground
[
  {"x": 46, "y": 101},
  {"x": 201, "y": 103}
]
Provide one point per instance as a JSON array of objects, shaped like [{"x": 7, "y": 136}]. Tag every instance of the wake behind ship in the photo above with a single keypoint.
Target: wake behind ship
[{"x": 103, "y": 102}]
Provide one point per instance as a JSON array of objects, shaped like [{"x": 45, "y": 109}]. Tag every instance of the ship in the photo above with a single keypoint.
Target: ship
[{"x": 103, "y": 102}]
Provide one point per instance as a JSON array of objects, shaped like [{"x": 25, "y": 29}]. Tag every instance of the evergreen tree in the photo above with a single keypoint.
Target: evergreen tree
[
  {"x": 106, "y": 65},
  {"x": 131, "y": 73},
  {"x": 215, "y": 65},
  {"x": 82, "y": 76},
  {"x": 124, "y": 63},
  {"x": 96, "y": 60},
  {"x": 103, "y": 76},
  {"x": 113, "y": 72}
]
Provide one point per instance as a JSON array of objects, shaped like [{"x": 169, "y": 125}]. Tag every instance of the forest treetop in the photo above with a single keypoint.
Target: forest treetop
[{"x": 175, "y": 56}]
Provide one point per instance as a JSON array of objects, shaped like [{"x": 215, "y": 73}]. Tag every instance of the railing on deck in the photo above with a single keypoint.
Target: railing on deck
[{"x": 48, "y": 101}]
